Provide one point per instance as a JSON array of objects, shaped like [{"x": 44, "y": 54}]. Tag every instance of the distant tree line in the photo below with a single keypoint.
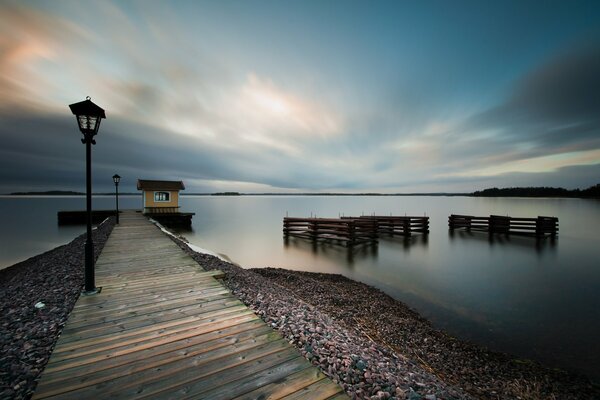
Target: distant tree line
[{"x": 592, "y": 192}]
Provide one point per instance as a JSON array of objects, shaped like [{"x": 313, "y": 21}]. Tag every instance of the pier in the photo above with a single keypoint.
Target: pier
[
  {"x": 538, "y": 227},
  {"x": 354, "y": 230},
  {"x": 162, "y": 327}
]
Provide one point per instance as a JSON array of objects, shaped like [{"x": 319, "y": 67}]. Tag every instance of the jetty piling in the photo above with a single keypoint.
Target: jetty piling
[
  {"x": 353, "y": 230},
  {"x": 346, "y": 230},
  {"x": 540, "y": 227},
  {"x": 398, "y": 225}
]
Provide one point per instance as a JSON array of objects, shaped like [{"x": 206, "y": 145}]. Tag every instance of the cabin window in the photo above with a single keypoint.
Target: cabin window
[{"x": 162, "y": 196}]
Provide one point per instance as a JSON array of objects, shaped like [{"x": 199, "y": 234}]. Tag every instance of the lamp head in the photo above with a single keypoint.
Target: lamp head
[{"x": 88, "y": 117}]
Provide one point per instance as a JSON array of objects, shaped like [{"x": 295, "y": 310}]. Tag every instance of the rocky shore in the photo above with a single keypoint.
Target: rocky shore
[{"x": 36, "y": 297}]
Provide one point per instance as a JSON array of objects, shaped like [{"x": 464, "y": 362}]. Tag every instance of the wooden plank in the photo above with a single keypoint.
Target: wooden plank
[
  {"x": 247, "y": 381},
  {"x": 285, "y": 386},
  {"x": 79, "y": 377},
  {"x": 196, "y": 385},
  {"x": 169, "y": 379},
  {"x": 190, "y": 309},
  {"x": 156, "y": 347},
  {"x": 143, "y": 297},
  {"x": 102, "y": 329},
  {"x": 322, "y": 389},
  {"x": 101, "y": 342}
]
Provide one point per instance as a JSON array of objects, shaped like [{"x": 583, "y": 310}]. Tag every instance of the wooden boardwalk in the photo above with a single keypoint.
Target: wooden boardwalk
[{"x": 164, "y": 328}]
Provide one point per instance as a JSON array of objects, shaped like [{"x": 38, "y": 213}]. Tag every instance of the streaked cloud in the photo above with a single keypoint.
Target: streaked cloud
[{"x": 227, "y": 99}]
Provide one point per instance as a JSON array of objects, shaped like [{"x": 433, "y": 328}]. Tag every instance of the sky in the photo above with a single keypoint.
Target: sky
[{"x": 302, "y": 96}]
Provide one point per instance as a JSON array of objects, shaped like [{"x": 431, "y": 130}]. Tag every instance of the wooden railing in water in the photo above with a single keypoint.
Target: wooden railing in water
[
  {"x": 351, "y": 231},
  {"x": 540, "y": 226},
  {"x": 398, "y": 225},
  {"x": 354, "y": 230}
]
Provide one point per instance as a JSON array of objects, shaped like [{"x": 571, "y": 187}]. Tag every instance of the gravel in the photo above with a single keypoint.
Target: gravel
[{"x": 36, "y": 297}]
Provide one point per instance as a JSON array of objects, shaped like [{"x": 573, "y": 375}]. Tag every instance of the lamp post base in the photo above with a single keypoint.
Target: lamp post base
[{"x": 91, "y": 292}]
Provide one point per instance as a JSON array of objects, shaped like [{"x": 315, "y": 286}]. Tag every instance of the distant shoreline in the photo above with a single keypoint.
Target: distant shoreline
[{"x": 548, "y": 192}]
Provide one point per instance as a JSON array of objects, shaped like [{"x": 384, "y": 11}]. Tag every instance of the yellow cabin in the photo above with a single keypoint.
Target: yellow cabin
[{"x": 160, "y": 197}]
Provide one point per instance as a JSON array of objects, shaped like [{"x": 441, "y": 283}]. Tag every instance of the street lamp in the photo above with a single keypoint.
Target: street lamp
[
  {"x": 88, "y": 117},
  {"x": 116, "y": 180}
]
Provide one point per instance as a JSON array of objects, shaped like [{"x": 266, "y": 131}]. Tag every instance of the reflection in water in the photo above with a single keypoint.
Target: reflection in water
[
  {"x": 356, "y": 252},
  {"x": 539, "y": 244},
  {"x": 349, "y": 254},
  {"x": 407, "y": 242}
]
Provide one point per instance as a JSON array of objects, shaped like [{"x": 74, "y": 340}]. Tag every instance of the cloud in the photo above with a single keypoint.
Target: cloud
[
  {"x": 180, "y": 105},
  {"x": 550, "y": 120},
  {"x": 553, "y": 109},
  {"x": 28, "y": 39}
]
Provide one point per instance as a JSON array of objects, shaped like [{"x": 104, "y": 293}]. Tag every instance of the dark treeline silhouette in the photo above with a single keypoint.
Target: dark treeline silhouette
[
  {"x": 226, "y": 194},
  {"x": 592, "y": 191}
]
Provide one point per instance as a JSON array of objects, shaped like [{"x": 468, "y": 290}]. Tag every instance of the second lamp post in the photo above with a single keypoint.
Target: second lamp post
[{"x": 116, "y": 180}]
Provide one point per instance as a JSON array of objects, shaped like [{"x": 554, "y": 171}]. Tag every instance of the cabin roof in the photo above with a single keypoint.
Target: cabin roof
[{"x": 145, "y": 184}]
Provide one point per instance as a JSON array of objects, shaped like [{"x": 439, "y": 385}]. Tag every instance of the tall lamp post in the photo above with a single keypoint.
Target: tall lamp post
[
  {"x": 116, "y": 180},
  {"x": 88, "y": 117}
]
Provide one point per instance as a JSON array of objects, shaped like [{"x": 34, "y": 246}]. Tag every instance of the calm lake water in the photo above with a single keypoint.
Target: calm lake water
[{"x": 534, "y": 299}]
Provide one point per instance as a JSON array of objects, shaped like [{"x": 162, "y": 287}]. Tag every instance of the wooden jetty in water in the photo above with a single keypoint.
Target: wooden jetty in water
[
  {"x": 350, "y": 231},
  {"x": 539, "y": 227},
  {"x": 354, "y": 230},
  {"x": 399, "y": 225},
  {"x": 162, "y": 327}
]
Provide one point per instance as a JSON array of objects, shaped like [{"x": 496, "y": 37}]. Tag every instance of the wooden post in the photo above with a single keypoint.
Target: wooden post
[
  {"x": 312, "y": 229},
  {"x": 351, "y": 234},
  {"x": 406, "y": 226},
  {"x": 499, "y": 224},
  {"x": 286, "y": 227},
  {"x": 545, "y": 225}
]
